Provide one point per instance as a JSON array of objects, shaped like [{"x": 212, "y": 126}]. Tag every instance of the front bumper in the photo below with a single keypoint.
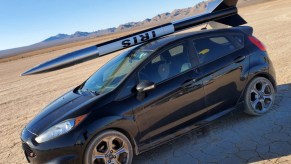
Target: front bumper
[{"x": 55, "y": 153}]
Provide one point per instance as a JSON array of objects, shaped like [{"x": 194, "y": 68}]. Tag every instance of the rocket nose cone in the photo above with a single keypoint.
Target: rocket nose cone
[
  {"x": 24, "y": 74},
  {"x": 29, "y": 72},
  {"x": 64, "y": 61},
  {"x": 41, "y": 68}
]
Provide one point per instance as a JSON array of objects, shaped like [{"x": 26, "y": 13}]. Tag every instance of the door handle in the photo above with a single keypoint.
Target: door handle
[
  {"x": 196, "y": 70},
  {"x": 239, "y": 59},
  {"x": 188, "y": 83}
]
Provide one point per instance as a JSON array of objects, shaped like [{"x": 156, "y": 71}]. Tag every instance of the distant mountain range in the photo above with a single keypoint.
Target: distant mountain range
[
  {"x": 62, "y": 39},
  {"x": 79, "y": 35},
  {"x": 158, "y": 19}
]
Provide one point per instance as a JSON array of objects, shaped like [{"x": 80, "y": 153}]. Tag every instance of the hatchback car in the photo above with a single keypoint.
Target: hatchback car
[{"x": 151, "y": 94}]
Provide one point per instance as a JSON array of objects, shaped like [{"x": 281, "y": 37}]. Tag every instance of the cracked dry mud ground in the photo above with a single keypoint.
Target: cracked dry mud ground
[{"x": 235, "y": 138}]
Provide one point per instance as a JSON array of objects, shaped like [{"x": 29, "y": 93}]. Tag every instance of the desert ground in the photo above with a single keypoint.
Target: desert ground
[{"x": 236, "y": 138}]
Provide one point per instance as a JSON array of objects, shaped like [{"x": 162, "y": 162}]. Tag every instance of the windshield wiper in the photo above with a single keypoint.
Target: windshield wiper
[{"x": 93, "y": 92}]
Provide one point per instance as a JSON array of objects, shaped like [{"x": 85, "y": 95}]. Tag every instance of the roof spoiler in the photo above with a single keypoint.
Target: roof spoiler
[
  {"x": 246, "y": 29},
  {"x": 221, "y": 11}
]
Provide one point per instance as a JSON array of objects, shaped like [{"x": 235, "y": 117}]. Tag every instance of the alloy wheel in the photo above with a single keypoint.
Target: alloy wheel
[
  {"x": 261, "y": 96},
  {"x": 111, "y": 150}
]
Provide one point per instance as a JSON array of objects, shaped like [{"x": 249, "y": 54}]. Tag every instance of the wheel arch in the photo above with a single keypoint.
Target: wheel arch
[
  {"x": 248, "y": 109},
  {"x": 131, "y": 138},
  {"x": 267, "y": 76},
  {"x": 260, "y": 74},
  {"x": 126, "y": 126}
]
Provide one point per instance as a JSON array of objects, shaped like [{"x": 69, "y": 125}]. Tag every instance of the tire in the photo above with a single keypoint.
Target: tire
[
  {"x": 109, "y": 147},
  {"x": 259, "y": 96}
]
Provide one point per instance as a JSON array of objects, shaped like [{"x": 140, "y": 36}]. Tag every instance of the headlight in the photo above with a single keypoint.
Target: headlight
[{"x": 59, "y": 129}]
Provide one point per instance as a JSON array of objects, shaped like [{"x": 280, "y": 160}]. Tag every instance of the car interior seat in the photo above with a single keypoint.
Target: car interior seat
[{"x": 164, "y": 68}]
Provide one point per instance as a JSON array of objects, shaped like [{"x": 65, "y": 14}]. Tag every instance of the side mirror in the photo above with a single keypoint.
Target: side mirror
[{"x": 144, "y": 86}]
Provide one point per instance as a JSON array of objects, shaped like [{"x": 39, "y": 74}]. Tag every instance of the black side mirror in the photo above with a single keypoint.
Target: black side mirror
[{"x": 144, "y": 86}]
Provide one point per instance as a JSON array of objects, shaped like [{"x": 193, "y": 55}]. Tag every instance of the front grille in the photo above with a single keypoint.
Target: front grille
[{"x": 27, "y": 150}]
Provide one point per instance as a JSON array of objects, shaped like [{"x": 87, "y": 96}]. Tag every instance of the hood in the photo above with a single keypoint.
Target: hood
[{"x": 65, "y": 107}]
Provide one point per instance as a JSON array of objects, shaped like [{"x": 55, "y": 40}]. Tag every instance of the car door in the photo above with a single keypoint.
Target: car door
[
  {"x": 224, "y": 62},
  {"x": 178, "y": 98}
]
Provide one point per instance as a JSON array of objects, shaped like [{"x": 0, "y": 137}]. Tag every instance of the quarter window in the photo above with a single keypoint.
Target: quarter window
[
  {"x": 129, "y": 87},
  {"x": 167, "y": 64},
  {"x": 212, "y": 48}
]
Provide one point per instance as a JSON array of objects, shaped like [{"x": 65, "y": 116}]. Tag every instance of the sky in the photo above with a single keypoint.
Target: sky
[{"x": 25, "y": 22}]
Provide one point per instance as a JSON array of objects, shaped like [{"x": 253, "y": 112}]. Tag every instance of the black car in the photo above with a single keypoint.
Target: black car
[{"x": 151, "y": 94}]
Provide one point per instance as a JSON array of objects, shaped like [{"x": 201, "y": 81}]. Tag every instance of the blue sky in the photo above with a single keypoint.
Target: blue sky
[{"x": 25, "y": 22}]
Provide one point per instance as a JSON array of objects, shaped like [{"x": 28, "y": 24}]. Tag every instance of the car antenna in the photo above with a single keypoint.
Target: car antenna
[{"x": 205, "y": 28}]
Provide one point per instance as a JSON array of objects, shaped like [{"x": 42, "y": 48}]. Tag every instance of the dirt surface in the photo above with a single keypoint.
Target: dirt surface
[{"x": 236, "y": 138}]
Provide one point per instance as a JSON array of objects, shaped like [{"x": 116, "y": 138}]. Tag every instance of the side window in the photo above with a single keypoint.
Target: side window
[
  {"x": 212, "y": 48},
  {"x": 167, "y": 64}
]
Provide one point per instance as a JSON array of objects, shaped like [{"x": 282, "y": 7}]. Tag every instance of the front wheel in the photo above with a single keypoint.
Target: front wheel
[
  {"x": 259, "y": 96},
  {"x": 109, "y": 147}
]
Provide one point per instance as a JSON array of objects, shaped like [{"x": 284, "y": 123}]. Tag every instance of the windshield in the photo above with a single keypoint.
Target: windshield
[{"x": 112, "y": 73}]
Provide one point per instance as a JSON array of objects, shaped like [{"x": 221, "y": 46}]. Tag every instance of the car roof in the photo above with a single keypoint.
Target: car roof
[{"x": 160, "y": 42}]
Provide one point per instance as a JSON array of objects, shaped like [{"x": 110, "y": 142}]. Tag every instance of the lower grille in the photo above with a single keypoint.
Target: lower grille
[{"x": 28, "y": 150}]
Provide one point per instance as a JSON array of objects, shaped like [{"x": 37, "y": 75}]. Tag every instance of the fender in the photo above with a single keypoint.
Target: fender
[
  {"x": 125, "y": 125},
  {"x": 258, "y": 67},
  {"x": 258, "y": 64}
]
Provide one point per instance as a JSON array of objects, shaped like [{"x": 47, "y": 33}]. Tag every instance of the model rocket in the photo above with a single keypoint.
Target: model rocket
[{"x": 220, "y": 11}]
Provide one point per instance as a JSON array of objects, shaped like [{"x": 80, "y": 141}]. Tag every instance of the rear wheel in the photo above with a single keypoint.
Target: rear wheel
[
  {"x": 109, "y": 147},
  {"x": 259, "y": 96}
]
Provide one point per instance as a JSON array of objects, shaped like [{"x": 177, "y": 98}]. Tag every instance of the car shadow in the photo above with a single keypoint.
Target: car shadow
[{"x": 234, "y": 138}]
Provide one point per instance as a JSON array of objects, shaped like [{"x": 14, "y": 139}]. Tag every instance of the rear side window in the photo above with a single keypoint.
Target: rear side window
[{"x": 212, "y": 48}]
